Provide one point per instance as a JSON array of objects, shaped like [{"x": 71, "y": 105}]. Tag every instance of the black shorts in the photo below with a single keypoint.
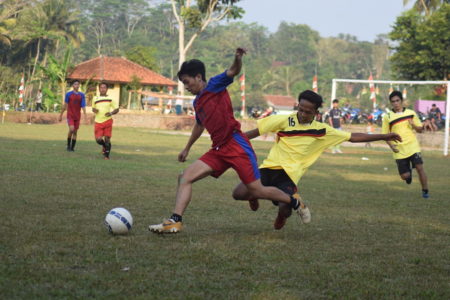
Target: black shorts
[
  {"x": 404, "y": 165},
  {"x": 279, "y": 179}
]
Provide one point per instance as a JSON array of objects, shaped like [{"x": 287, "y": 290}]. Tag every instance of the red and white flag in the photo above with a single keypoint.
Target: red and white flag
[
  {"x": 314, "y": 84},
  {"x": 373, "y": 96},
  {"x": 21, "y": 90},
  {"x": 242, "y": 80}
]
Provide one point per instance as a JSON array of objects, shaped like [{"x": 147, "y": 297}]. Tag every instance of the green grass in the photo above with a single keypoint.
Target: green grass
[{"x": 371, "y": 236}]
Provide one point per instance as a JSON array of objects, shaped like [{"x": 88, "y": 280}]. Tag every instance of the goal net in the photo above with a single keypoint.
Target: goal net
[{"x": 395, "y": 83}]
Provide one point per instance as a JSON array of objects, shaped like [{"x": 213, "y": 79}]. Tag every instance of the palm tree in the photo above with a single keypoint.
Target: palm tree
[
  {"x": 8, "y": 19},
  {"x": 43, "y": 25}
]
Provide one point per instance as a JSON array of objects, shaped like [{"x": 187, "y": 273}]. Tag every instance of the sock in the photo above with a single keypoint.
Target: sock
[
  {"x": 69, "y": 141},
  {"x": 408, "y": 180},
  {"x": 73, "y": 144},
  {"x": 295, "y": 203},
  {"x": 102, "y": 142},
  {"x": 425, "y": 191},
  {"x": 176, "y": 218},
  {"x": 107, "y": 149}
]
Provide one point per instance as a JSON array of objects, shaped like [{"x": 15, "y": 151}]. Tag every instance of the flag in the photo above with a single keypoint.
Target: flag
[
  {"x": 314, "y": 84},
  {"x": 21, "y": 90},
  {"x": 242, "y": 80},
  {"x": 373, "y": 96},
  {"x": 404, "y": 94},
  {"x": 391, "y": 89}
]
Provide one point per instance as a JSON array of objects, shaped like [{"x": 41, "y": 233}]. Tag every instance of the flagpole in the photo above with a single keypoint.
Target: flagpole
[{"x": 242, "y": 80}]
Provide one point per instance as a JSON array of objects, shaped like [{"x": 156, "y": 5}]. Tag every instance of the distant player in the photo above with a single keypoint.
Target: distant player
[
  {"x": 73, "y": 103},
  {"x": 335, "y": 120},
  {"x": 299, "y": 142},
  {"x": 230, "y": 147},
  {"x": 104, "y": 107},
  {"x": 407, "y": 152}
]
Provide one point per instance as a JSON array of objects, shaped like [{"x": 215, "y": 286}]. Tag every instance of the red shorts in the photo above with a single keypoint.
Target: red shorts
[
  {"x": 238, "y": 154},
  {"x": 74, "y": 123},
  {"x": 103, "y": 129}
]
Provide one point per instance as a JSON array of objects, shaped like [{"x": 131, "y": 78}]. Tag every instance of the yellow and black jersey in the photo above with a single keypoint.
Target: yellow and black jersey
[
  {"x": 104, "y": 104},
  {"x": 297, "y": 145},
  {"x": 399, "y": 123}
]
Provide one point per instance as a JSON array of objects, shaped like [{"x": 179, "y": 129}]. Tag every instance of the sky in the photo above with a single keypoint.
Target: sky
[{"x": 364, "y": 19}]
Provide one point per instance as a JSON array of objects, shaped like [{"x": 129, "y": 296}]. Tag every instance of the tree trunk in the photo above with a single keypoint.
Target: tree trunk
[{"x": 182, "y": 53}]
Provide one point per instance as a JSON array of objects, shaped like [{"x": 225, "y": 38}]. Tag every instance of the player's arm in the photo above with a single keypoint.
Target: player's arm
[
  {"x": 251, "y": 134},
  {"x": 196, "y": 133},
  {"x": 364, "y": 137},
  {"x": 235, "y": 68},
  {"x": 109, "y": 114},
  {"x": 415, "y": 127}
]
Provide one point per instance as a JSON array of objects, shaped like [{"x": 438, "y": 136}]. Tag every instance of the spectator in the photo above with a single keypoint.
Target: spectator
[
  {"x": 39, "y": 100},
  {"x": 435, "y": 117}
]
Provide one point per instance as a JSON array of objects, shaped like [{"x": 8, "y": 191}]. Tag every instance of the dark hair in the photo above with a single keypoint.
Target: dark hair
[
  {"x": 396, "y": 93},
  {"x": 76, "y": 80},
  {"x": 312, "y": 97},
  {"x": 433, "y": 104},
  {"x": 192, "y": 68},
  {"x": 335, "y": 101},
  {"x": 103, "y": 83}
]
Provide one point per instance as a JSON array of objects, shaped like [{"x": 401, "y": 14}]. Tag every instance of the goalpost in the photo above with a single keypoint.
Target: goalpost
[{"x": 447, "y": 112}]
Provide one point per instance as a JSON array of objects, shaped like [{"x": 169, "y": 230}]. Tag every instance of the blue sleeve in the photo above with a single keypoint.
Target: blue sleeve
[
  {"x": 67, "y": 97},
  {"x": 83, "y": 100},
  {"x": 219, "y": 82}
]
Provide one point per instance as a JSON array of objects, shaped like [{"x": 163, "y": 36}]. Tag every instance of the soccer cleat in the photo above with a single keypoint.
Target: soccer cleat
[
  {"x": 167, "y": 226},
  {"x": 425, "y": 194},
  {"x": 303, "y": 210},
  {"x": 254, "y": 204},
  {"x": 408, "y": 180}
]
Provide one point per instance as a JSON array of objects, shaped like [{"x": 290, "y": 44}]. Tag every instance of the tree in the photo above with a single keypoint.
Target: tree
[
  {"x": 426, "y": 6},
  {"x": 198, "y": 15},
  {"x": 145, "y": 56},
  {"x": 8, "y": 19},
  {"x": 422, "y": 45}
]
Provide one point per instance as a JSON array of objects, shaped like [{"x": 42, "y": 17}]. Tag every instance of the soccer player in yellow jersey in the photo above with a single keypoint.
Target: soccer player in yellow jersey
[
  {"x": 407, "y": 152},
  {"x": 299, "y": 142},
  {"x": 104, "y": 107}
]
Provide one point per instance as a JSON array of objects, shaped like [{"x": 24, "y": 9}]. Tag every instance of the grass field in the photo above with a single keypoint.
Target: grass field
[{"x": 371, "y": 236}]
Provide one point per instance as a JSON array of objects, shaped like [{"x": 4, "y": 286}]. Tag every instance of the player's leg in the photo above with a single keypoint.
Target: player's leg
[
  {"x": 76, "y": 126},
  {"x": 241, "y": 192},
  {"x": 191, "y": 174},
  {"x": 404, "y": 169},
  {"x": 417, "y": 163},
  {"x": 98, "y": 134},
  {"x": 107, "y": 132}
]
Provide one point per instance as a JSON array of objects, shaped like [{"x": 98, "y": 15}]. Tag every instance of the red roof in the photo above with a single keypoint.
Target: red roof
[
  {"x": 279, "y": 101},
  {"x": 117, "y": 70}
]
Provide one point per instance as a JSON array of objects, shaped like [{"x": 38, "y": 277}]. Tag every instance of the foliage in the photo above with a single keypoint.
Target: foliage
[
  {"x": 422, "y": 51},
  {"x": 145, "y": 56}
]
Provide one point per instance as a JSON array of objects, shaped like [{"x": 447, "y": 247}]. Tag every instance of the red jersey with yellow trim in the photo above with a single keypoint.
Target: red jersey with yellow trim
[
  {"x": 214, "y": 111},
  {"x": 399, "y": 123}
]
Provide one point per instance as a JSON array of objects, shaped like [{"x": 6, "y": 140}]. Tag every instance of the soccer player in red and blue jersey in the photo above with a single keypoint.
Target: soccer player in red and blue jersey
[
  {"x": 230, "y": 147},
  {"x": 73, "y": 103}
]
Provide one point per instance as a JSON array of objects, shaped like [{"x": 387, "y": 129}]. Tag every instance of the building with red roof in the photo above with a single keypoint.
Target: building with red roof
[{"x": 118, "y": 73}]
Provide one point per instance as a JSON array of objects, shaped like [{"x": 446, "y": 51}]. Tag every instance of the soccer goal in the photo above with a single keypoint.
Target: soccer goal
[{"x": 391, "y": 82}]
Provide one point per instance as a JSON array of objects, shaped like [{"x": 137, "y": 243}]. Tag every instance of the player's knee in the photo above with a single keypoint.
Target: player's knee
[
  {"x": 99, "y": 141},
  {"x": 405, "y": 176}
]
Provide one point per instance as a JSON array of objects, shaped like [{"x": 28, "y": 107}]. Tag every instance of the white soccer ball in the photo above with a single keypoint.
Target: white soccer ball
[{"x": 119, "y": 221}]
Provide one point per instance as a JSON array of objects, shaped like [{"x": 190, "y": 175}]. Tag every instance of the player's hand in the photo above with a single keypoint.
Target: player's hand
[
  {"x": 183, "y": 155},
  {"x": 94, "y": 110},
  {"x": 393, "y": 137},
  {"x": 240, "y": 52},
  {"x": 394, "y": 148},
  {"x": 108, "y": 114},
  {"x": 60, "y": 118}
]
